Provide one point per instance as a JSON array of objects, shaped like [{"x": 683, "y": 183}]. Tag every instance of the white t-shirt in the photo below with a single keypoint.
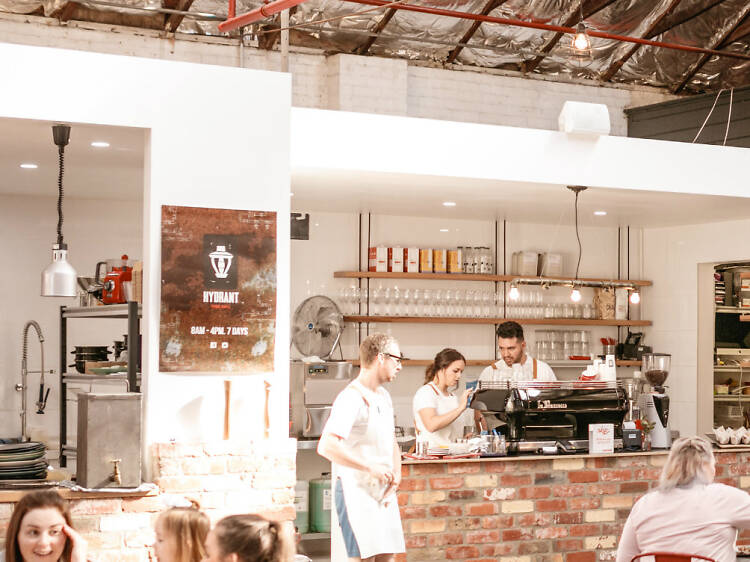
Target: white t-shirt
[
  {"x": 429, "y": 396},
  {"x": 698, "y": 519},
  {"x": 501, "y": 372}
]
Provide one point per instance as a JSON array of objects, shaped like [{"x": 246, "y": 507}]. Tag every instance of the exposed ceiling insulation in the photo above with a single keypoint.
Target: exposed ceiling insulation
[{"x": 719, "y": 29}]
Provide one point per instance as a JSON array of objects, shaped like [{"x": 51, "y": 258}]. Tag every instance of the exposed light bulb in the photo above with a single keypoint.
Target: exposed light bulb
[
  {"x": 514, "y": 293},
  {"x": 635, "y": 297},
  {"x": 575, "y": 295},
  {"x": 581, "y": 41}
]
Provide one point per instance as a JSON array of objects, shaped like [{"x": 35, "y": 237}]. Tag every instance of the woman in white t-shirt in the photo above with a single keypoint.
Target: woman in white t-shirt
[{"x": 439, "y": 415}]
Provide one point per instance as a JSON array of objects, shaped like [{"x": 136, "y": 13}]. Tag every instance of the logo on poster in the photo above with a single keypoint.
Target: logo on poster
[{"x": 221, "y": 261}]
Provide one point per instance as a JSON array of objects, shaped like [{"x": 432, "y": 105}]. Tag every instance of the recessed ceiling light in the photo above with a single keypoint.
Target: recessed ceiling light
[
  {"x": 600, "y": 213},
  {"x": 444, "y": 230},
  {"x": 449, "y": 203},
  {"x": 29, "y": 166},
  {"x": 100, "y": 144},
  {"x": 291, "y": 194}
]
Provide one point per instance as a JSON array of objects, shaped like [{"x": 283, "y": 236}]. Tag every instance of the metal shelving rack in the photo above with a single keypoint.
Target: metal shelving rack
[{"x": 131, "y": 311}]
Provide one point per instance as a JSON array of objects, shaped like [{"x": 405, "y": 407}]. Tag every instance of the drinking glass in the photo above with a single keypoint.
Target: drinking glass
[
  {"x": 416, "y": 299},
  {"x": 344, "y": 299},
  {"x": 448, "y": 303},
  {"x": 477, "y": 308},
  {"x": 538, "y": 305},
  {"x": 487, "y": 301},
  {"x": 499, "y": 306},
  {"x": 406, "y": 300},
  {"x": 427, "y": 304},
  {"x": 397, "y": 308},
  {"x": 376, "y": 301},
  {"x": 458, "y": 303},
  {"x": 387, "y": 304},
  {"x": 439, "y": 304},
  {"x": 468, "y": 304},
  {"x": 356, "y": 299}
]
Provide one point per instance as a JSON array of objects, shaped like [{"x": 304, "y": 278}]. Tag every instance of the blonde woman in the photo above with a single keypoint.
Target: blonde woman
[
  {"x": 688, "y": 513},
  {"x": 181, "y": 534},
  {"x": 249, "y": 538}
]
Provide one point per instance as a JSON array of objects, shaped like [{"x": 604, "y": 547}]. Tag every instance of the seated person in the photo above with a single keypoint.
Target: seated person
[
  {"x": 181, "y": 534},
  {"x": 249, "y": 538},
  {"x": 439, "y": 415},
  {"x": 40, "y": 529},
  {"x": 687, "y": 513}
]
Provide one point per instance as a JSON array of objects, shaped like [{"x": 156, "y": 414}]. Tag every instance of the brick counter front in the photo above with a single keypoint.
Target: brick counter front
[{"x": 532, "y": 509}]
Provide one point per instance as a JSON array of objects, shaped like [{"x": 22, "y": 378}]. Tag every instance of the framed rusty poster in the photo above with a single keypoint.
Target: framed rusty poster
[{"x": 218, "y": 291}]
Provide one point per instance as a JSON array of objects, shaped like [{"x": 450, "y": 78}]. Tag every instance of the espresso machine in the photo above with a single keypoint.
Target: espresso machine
[
  {"x": 655, "y": 368},
  {"x": 550, "y": 417}
]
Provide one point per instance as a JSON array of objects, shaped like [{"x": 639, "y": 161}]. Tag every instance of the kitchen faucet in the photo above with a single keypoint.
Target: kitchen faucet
[{"x": 42, "y": 402}]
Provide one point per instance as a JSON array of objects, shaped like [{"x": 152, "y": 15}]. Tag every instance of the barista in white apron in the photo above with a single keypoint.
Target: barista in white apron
[
  {"x": 516, "y": 364},
  {"x": 440, "y": 415},
  {"x": 359, "y": 439}
]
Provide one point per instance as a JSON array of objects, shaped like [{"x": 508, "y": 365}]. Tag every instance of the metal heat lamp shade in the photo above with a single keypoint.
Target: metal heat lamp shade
[{"x": 59, "y": 279}]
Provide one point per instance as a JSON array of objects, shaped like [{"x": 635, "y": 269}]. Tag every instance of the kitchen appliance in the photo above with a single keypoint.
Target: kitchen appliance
[
  {"x": 116, "y": 281},
  {"x": 108, "y": 449},
  {"x": 633, "y": 389},
  {"x": 632, "y": 349},
  {"x": 655, "y": 368},
  {"x": 316, "y": 331},
  {"x": 312, "y": 389},
  {"x": 550, "y": 416}
]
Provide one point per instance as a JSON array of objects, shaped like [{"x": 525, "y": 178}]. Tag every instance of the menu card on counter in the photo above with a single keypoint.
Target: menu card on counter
[{"x": 601, "y": 438}]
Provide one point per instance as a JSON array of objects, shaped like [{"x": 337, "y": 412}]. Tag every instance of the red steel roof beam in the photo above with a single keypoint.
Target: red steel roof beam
[
  {"x": 265, "y": 11},
  {"x": 544, "y": 26}
]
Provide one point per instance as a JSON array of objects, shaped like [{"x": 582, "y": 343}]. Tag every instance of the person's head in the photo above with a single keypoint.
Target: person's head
[
  {"x": 691, "y": 459},
  {"x": 510, "y": 342},
  {"x": 248, "y": 538},
  {"x": 446, "y": 368},
  {"x": 181, "y": 534},
  {"x": 381, "y": 353},
  {"x": 35, "y": 531}
]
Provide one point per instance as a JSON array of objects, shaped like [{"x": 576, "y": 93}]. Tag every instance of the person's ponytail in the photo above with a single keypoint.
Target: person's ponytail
[{"x": 442, "y": 360}]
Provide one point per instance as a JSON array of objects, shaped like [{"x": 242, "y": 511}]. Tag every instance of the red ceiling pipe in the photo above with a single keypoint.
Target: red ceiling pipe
[
  {"x": 265, "y": 11},
  {"x": 544, "y": 26},
  {"x": 232, "y": 10}
]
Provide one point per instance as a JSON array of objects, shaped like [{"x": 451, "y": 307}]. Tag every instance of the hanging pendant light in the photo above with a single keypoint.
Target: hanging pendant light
[
  {"x": 59, "y": 279},
  {"x": 513, "y": 294},
  {"x": 581, "y": 41},
  {"x": 635, "y": 296},
  {"x": 575, "y": 293}
]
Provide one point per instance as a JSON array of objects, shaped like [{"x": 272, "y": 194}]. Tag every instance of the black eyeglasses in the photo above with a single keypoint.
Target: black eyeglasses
[{"x": 397, "y": 358}]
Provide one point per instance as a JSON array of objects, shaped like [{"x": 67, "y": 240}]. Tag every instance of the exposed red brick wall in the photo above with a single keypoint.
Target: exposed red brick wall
[{"x": 544, "y": 509}]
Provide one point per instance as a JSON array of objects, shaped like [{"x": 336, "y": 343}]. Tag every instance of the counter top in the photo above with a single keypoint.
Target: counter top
[
  {"x": 655, "y": 452},
  {"x": 12, "y": 496}
]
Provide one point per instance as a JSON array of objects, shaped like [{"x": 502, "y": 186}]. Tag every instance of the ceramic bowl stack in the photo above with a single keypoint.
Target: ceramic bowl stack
[{"x": 23, "y": 461}]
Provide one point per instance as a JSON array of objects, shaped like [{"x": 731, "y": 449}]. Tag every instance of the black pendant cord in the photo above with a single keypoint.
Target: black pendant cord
[
  {"x": 578, "y": 237},
  {"x": 61, "y": 155}
]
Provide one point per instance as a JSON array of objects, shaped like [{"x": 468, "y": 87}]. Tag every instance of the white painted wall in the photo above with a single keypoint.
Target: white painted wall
[
  {"x": 354, "y": 83},
  {"x": 333, "y": 247},
  {"x": 193, "y": 157},
  {"x": 94, "y": 230},
  {"x": 671, "y": 258}
]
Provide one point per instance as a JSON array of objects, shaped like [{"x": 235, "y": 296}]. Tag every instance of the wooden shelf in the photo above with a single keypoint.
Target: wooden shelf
[
  {"x": 471, "y": 320},
  {"x": 468, "y": 277}
]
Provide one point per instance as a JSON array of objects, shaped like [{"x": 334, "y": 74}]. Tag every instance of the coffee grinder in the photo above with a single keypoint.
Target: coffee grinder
[{"x": 656, "y": 402}]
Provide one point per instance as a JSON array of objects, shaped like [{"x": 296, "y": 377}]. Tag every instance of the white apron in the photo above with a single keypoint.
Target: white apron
[
  {"x": 450, "y": 432},
  {"x": 376, "y": 521}
]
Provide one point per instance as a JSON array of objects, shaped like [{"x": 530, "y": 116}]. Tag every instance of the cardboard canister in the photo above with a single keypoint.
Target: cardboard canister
[
  {"x": 439, "y": 260},
  {"x": 425, "y": 260},
  {"x": 455, "y": 261},
  {"x": 411, "y": 260}
]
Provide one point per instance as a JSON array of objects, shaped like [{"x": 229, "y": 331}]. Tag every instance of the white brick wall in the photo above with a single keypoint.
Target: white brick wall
[{"x": 349, "y": 82}]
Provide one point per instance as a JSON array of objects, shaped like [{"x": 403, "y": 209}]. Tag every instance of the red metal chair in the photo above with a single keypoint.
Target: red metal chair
[{"x": 671, "y": 557}]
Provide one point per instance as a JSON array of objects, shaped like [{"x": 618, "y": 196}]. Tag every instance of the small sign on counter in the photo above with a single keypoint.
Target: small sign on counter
[{"x": 601, "y": 438}]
